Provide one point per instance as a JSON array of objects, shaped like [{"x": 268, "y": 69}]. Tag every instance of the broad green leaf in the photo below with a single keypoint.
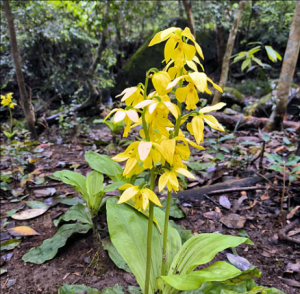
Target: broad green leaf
[
  {"x": 36, "y": 204},
  {"x": 74, "y": 289},
  {"x": 244, "y": 276},
  {"x": 226, "y": 137},
  {"x": 220, "y": 156},
  {"x": 201, "y": 249},
  {"x": 71, "y": 201},
  {"x": 9, "y": 244},
  {"x": 295, "y": 169},
  {"x": 292, "y": 160},
  {"x": 105, "y": 165},
  {"x": 201, "y": 166},
  {"x": 94, "y": 187},
  {"x": 286, "y": 141},
  {"x": 76, "y": 180},
  {"x": 128, "y": 233},
  {"x": 274, "y": 157},
  {"x": 219, "y": 271},
  {"x": 49, "y": 247},
  {"x": 254, "y": 50},
  {"x": 271, "y": 53},
  {"x": 115, "y": 290},
  {"x": 276, "y": 168},
  {"x": 245, "y": 64},
  {"x": 114, "y": 255},
  {"x": 293, "y": 177},
  {"x": 266, "y": 137},
  {"x": 248, "y": 143},
  {"x": 175, "y": 211},
  {"x": 258, "y": 61},
  {"x": 76, "y": 212}
]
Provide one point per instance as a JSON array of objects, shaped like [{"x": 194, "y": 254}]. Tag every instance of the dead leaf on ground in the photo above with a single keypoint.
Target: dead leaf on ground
[
  {"x": 45, "y": 192},
  {"x": 293, "y": 232},
  {"x": 292, "y": 267},
  {"x": 22, "y": 231},
  {"x": 225, "y": 202},
  {"x": 292, "y": 212},
  {"x": 290, "y": 282},
  {"x": 233, "y": 221},
  {"x": 29, "y": 213},
  {"x": 212, "y": 215}
]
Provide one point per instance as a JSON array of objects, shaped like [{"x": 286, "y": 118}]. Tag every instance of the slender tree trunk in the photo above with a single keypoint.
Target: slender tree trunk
[
  {"x": 24, "y": 99},
  {"x": 220, "y": 32},
  {"x": 188, "y": 9},
  {"x": 228, "y": 52},
  {"x": 287, "y": 72}
]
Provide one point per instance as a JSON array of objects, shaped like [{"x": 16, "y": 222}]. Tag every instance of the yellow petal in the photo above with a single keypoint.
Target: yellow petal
[
  {"x": 174, "y": 82},
  {"x": 125, "y": 186},
  {"x": 144, "y": 149},
  {"x": 160, "y": 81},
  {"x": 127, "y": 93},
  {"x": 212, "y": 107},
  {"x": 132, "y": 115},
  {"x": 168, "y": 147},
  {"x": 183, "y": 151},
  {"x": 174, "y": 181},
  {"x": 143, "y": 103},
  {"x": 169, "y": 49},
  {"x": 215, "y": 85},
  {"x": 173, "y": 108},
  {"x": 199, "y": 50},
  {"x": 121, "y": 157},
  {"x": 213, "y": 123},
  {"x": 163, "y": 35},
  {"x": 187, "y": 33},
  {"x": 119, "y": 116},
  {"x": 192, "y": 65},
  {"x": 113, "y": 111},
  {"x": 162, "y": 182},
  {"x": 151, "y": 196},
  {"x": 189, "y": 51},
  {"x": 198, "y": 128},
  {"x": 200, "y": 80},
  {"x": 152, "y": 107},
  {"x": 184, "y": 172},
  {"x": 128, "y": 194},
  {"x": 130, "y": 165},
  {"x": 181, "y": 93}
]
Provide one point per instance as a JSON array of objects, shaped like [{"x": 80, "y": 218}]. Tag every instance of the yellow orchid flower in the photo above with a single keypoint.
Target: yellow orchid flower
[
  {"x": 140, "y": 196},
  {"x": 169, "y": 178},
  {"x": 196, "y": 80},
  {"x": 146, "y": 153},
  {"x": 175, "y": 48},
  {"x": 6, "y": 100},
  {"x": 128, "y": 116},
  {"x": 160, "y": 81},
  {"x": 132, "y": 95},
  {"x": 196, "y": 127}
]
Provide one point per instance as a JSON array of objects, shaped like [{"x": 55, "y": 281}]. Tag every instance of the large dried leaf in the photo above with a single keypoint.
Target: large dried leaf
[
  {"x": 22, "y": 231},
  {"x": 29, "y": 213}
]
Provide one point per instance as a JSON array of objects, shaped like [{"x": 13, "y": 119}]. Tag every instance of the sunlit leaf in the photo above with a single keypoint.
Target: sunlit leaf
[{"x": 22, "y": 231}]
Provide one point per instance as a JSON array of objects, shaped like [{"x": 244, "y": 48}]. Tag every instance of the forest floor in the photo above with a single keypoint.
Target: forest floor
[{"x": 253, "y": 212}]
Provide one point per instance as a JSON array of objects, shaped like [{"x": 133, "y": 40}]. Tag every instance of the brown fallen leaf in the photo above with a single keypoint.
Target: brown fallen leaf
[
  {"x": 233, "y": 221},
  {"x": 212, "y": 215},
  {"x": 290, "y": 282},
  {"x": 225, "y": 202},
  {"x": 22, "y": 231},
  {"x": 292, "y": 267},
  {"x": 292, "y": 212},
  {"x": 29, "y": 213},
  {"x": 293, "y": 232}
]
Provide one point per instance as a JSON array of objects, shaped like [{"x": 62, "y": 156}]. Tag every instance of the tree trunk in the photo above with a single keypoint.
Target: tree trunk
[
  {"x": 95, "y": 94},
  {"x": 228, "y": 52},
  {"x": 188, "y": 9},
  {"x": 287, "y": 72},
  {"x": 24, "y": 99},
  {"x": 220, "y": 32}
]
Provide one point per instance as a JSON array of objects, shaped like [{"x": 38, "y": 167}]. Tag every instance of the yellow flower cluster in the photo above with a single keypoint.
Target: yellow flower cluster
[
  {"x": 163, "y": 143},
  {"x": 6, "y": 100}
]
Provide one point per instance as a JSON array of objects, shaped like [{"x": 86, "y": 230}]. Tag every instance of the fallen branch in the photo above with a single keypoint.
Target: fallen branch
[
  {"x": 282, "y": 233},
  {"x": 198, "y": 193},
  {"x": 247, "y": 122}
]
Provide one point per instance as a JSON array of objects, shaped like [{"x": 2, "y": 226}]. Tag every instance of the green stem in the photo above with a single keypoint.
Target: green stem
[
  {"x": 165, "y": 237},
  {"x": 149, "y": 236},
  {"x": 11, "y": 119}
]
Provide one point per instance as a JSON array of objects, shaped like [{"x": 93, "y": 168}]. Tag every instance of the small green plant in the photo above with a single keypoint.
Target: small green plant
[
  {"x": 7, "y": 101},
  {"x": 115, "y": 128},
  {"x": 91, "y": 188},
  {"x": 286, "y": 167},
  {"x": 249, "y": 58}
]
